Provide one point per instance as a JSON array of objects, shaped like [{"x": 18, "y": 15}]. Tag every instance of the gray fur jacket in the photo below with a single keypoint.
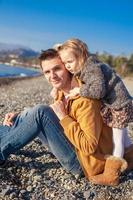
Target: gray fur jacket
[{"x": 101, "y": 82}]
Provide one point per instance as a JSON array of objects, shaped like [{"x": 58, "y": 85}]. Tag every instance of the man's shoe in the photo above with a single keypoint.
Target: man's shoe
[{"x": 79, "y": 176}]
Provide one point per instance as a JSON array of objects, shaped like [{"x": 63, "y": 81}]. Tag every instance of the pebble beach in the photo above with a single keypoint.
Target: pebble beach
[{"x": 33, "y": 173}]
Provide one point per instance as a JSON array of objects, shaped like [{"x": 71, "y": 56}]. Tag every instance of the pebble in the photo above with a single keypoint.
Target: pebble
[
  {"x": 23, "y": 191},
  {"x": 29, "y": 188},
  {"x": 32, "y": 173},
  {"x": 5, "y": 191}
]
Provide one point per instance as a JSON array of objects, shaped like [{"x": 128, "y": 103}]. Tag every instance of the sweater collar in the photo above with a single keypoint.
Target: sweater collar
[{"x": 60, "y": 93}]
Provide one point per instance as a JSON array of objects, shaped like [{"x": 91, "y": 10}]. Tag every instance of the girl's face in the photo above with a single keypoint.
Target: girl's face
[{"x": 70, "y": 60}]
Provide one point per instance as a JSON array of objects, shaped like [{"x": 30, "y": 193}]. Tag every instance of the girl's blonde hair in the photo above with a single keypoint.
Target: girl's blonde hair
[{"x": 79, "y": 48}]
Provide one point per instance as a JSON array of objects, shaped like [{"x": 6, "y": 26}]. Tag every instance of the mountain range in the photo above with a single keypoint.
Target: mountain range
[{"x": 16, "y": 49}]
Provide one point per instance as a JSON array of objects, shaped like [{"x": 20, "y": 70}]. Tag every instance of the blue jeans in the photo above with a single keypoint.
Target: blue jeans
[{"x": 39, "y": 121}]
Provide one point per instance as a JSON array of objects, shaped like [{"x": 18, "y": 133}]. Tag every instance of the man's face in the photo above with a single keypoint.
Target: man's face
[{"x": 56, "y": 73}]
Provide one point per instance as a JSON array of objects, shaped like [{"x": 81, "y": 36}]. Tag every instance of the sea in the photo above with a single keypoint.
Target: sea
[{"x": 7, "y": 71}]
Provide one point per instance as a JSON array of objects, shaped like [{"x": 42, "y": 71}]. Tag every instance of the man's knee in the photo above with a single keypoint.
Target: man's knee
[
  {"x": 44, "y": 112},
  {"x": 40, "y": 108}
]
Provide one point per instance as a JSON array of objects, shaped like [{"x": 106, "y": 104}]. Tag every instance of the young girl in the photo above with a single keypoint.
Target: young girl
[{"x": 101, "y": 82}]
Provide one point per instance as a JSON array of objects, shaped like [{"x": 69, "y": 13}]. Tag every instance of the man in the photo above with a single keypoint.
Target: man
[
  {"x": 72, "y": 127},
  {"x": 20, "y": 129}
]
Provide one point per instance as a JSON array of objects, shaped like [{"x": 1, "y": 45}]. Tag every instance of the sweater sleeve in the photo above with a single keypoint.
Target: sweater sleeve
[
  {"x": 84, "y": 129},
  {"x": 93, "y": 82}
]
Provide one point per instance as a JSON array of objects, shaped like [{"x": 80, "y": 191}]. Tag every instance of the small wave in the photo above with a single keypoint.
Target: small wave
[{"x": 23, "y": 74}]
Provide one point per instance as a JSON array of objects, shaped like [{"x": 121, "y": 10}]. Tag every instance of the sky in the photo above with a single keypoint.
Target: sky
[{"x": 106, "y": 26}]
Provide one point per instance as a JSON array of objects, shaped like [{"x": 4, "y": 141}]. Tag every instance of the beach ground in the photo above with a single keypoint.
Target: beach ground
[{"x": 33, "y": 173}]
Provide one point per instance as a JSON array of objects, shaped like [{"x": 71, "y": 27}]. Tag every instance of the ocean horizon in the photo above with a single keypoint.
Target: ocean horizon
[{"x": 8, "y": 71}]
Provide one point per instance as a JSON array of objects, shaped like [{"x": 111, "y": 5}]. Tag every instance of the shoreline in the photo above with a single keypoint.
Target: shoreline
[
  {"x": 128, "y": 81},
  {"x": 8, "y": 80}
]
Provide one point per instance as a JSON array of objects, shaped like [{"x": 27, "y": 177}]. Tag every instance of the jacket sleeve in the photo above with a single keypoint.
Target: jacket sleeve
[
  {"x": 84, "y": 128},
  {"x": 93, "y": 82}
]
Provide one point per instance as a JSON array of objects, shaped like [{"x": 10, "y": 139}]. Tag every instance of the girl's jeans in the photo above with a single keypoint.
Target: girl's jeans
[{"x": 39, "y": 121}]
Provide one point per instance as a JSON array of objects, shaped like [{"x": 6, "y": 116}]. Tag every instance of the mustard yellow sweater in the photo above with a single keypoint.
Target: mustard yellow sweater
[{"x": 84, "y": 127}]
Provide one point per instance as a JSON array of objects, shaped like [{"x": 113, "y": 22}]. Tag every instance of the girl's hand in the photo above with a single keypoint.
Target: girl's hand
[
  {"x": 59, "y": 108},
  {"x": 8, "y": 121}
]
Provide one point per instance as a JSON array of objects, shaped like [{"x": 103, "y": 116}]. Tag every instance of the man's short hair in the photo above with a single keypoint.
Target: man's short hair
[{"x": 48, "y": 54}]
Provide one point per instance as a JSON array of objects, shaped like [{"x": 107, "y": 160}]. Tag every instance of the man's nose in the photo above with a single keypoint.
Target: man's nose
[{"x": 52, "y": 74}]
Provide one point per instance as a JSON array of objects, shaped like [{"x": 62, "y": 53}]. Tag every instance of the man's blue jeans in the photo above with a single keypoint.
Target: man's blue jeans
[{"x": 39, "y": 120}]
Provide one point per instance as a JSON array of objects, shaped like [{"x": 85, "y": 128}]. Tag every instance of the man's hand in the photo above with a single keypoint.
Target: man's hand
[
  {"x": 8, "y": 121},
  {"x": 59, "y": 108}
]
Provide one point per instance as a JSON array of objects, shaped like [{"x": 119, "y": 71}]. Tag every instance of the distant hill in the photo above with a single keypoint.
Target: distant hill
[
  {"x": 6, "y": 46},
  {"x": 18, "y": 50}
]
